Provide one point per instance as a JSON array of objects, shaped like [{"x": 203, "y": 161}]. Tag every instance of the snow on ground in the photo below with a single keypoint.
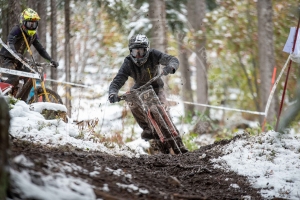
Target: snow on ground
[
  {"x": 271, "y": 160},
  {"x": 59, "y": 185},
  {"x": 30, "y": 125}
]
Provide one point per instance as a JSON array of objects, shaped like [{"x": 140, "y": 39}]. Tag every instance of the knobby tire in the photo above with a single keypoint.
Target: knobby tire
[{"x": 41, "y": 96}]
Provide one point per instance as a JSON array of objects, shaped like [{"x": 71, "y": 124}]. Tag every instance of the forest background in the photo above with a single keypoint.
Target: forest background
[{"x": 227, "y": 50}]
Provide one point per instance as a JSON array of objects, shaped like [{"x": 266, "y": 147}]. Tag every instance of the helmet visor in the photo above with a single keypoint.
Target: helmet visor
[
  {"x": 138, "y": 52},
  {"x": 31, "y": 25}
]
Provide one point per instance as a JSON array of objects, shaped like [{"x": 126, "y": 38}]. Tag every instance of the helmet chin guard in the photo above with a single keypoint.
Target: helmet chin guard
[
  {"x": 136, "y": 42},
  {"x": 140, "y": 61}
]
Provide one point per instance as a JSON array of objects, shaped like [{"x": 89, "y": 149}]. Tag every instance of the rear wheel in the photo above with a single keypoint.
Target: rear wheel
[{"x": 41, "y": 96}]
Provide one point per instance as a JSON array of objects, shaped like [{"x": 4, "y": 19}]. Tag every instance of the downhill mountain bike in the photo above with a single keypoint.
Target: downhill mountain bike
[
  {"x": 164, "y": 131},
  {"x": 27, "y": 81}
]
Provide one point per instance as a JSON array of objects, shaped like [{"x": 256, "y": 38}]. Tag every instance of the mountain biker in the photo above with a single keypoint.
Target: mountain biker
[
  {"x": 22, "y": 33},
  {"x": 142, "y": 64}
]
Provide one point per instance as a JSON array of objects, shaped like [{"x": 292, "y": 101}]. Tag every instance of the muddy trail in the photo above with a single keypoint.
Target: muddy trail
[{"x": 188, "y": 176}]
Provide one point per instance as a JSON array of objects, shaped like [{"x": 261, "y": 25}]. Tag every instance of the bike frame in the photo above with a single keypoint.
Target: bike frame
[
  {"x": 41, "y": 75},
  {"x": 37, "y": 74},
  {"x": 146, "y": 98}
]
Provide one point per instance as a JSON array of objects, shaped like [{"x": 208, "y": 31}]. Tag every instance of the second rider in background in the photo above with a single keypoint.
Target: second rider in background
[{"x": 26, "y": 30}]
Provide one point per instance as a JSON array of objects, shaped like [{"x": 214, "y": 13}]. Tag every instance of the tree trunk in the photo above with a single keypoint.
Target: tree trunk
[
  {"x": 157, "y": 14},
  {"x": 196, "y": 14},
  {"x": 67, "y": 55},
  {"x": 4, "y": 23},
  {"x": 4, "y": 146},
  {"x": 158, "y": 39},
  {"x": 186, "y": 91},
  {"x": 32, "y": 4},
  {"x": 42, "y": 29},
  {"x": 266, "y": 54},
  {"x": 14, "y": 13},
  {"x": 53, "y": 34},
  {"x": 10, "y": 16}
]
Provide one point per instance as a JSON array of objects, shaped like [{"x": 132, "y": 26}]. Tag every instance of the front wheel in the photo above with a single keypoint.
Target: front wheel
[{"x": 41, "y": 96}]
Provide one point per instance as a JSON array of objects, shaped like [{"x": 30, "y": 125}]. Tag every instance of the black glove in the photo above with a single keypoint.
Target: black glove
[
  {"x": 113, "y": 98},
  {"x": 168, "y": 70},
  {"x": 54, "y": 63}
]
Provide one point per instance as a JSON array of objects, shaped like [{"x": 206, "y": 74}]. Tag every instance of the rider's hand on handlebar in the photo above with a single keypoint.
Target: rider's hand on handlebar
[
  {"x": 113, "y": 98},
  {"x": 168, "y": 70},
  {"x": 54, "y": 63}
]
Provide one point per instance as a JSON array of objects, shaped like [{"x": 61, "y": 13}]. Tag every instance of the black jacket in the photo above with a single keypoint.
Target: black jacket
[
  {"x": 142, "y": 74},
  {"x": 17, "y": 43}
]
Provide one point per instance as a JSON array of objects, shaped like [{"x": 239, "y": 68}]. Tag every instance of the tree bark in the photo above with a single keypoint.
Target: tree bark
[
  {"x": 53, "y": 34},
  {"x": 186, "y": 91},
  {"x": 157, "y": 14},
  {"x": 158, "y": 39},
  {"x": 14, "y": 13},
  {"x": 196, "y": 14},
  {"x": 67, "y": 55},
  {"x": 266, "y": 54},
  {"x": 4, "y": 23},
  {"x": 33, "y": 4},
  {"x": 4, "y": 146},
  {"x": 42, "y": 29}
]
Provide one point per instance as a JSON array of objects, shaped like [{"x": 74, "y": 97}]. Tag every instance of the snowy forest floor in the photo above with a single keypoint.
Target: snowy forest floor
[{"x": 188, "y": 176}]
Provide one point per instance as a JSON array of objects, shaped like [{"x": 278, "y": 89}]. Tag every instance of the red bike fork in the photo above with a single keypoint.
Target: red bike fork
[
  {"x": 156, "y": 127},
  {"x": 167, "y": 119},
  {"x": 169, "y": 123}
]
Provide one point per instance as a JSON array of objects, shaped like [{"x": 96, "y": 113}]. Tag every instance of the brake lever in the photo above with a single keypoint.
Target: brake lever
[{"x": 123, "y": 96}]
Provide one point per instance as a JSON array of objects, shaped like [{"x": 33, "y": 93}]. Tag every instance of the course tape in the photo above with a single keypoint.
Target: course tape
[
  {"x": 211, "y": 106},
  {"x": 221, "y": 107},
  {"x": 19, "y": 73},
  {"x": 186, "y": 102},
  {"x": 68, "y": 83}
]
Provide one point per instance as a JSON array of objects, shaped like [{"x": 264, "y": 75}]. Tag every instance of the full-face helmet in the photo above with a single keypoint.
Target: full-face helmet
[
  {"x": 139, "y": 49},
  {"x": 29, "y": 21}
]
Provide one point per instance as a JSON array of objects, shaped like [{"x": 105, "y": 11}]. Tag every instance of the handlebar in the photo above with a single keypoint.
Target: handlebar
[{"x": 123, "y": 96}]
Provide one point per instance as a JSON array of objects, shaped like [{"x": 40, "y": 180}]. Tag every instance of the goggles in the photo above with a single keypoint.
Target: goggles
[
  {"x": 138, "y": 52},
  {"x": 31, "y": 25}
]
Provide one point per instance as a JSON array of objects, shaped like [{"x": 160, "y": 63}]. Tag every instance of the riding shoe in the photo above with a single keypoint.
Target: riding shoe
[
  {"x": 147, "y": 135},
  {"x": 181, "y": 146}
]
